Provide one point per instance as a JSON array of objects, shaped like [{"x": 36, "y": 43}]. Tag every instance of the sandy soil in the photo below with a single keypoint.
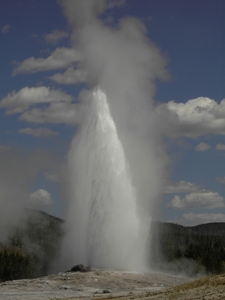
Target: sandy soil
[{"x": 100, "y": 284}]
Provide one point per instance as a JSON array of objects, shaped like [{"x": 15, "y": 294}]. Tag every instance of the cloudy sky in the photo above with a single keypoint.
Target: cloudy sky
[{"x": 43, "y": 76}]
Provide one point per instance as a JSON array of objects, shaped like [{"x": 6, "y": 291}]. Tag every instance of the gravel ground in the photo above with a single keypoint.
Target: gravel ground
[{"x": 99, "y": 284}]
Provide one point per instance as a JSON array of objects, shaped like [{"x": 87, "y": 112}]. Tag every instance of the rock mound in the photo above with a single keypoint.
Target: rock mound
[{"x": 80, "y": 268}]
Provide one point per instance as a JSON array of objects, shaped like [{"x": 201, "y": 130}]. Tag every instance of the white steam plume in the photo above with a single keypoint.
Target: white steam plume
[
  {"x": 103, "y": 222},
  {"x": 124, "y": 63},
  {"x": 17, "y": 170}
]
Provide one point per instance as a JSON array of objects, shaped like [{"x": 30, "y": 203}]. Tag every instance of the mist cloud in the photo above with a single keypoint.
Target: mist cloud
[
  {"x": 17, "y": 171},
  {"x": 124, "y": 63}
]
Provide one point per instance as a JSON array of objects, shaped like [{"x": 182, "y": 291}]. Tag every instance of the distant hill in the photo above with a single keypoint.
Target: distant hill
[
  {"x": 214, "y": 229},
  {"x": 32, "y": 247},
  {"x": 204, "y": 244}
]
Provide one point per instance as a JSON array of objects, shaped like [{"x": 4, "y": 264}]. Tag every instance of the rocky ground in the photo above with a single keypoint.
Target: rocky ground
[{"x": 99, "y": 284}]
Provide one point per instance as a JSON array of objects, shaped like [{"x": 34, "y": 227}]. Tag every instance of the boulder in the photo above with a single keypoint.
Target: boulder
[{"x": 80, "y": 268}]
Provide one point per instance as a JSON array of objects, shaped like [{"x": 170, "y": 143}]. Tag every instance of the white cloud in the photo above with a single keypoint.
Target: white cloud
[
  {"x": 53, "y": 177},
  {"x": 206, "y": 200},
  {"x": 194, "y": 118},
  {"x": 55, "y": 36},
  {"x": 55, "y": 113},
  {"x": 202, "y": 147},
  {"x": 38, "y": 132},
  {"x": 192, "y": 219},
  {"x": 57, "y": 106},
  {"x": 40, "y": 197},
  {"x": 220, "y": 147},
  {"x": 115, "y": 3},
  {"x": 59, "y": 58},
  {"x": 5, "y": 29},
  {"x": 181, "y": 187},
  {"x": 17, "y": 102},
  {"x": 221, "y": 180},
  {"x": 70, "y": 76}
]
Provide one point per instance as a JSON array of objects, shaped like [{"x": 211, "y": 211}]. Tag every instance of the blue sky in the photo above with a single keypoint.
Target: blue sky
[{"x": 41, "y": 81}]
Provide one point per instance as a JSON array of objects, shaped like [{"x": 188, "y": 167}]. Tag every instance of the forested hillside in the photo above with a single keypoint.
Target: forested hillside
[
  {"x": 33, "y": 247},
  {"x": 30, "y": 251},
  {"x": 204, "y": 244}
]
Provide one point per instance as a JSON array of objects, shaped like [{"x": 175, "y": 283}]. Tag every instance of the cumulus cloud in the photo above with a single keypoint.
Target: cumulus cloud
[
  {"x": 59, "y": 58},
  {"x": 220, "y": 147},
  {"x": 202, "y": 147},
  {"x": 38, "y": 132},
  {"x": 194, "y": 118},
  {"x": 55, "y": 36},
  {"x": 5, "y": 29},
  {"x": 17, "y": 102},
  {"x": 208, "y": 200},
  {"x": 181, "y": 187},
  {"x": 70, "y": 76},
  {"x": 192, "y": 219},
  {"x": 55, "y": 113},
  {"x": 40, "y": 198},
  {"x": 57, "y": 106}
]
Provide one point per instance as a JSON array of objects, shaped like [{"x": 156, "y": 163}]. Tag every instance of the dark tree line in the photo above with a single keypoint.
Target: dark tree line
[
  {"x": 14, "y": 265},
  {"x": 30, "y": 251},
  {"x": 205, "y": 244}
]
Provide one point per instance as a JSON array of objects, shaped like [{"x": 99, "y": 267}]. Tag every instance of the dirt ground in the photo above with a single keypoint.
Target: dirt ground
[{"x": 99, "y": 284}]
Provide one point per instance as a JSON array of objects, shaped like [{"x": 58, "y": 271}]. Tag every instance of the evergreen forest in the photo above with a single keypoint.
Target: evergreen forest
[
  {"x": 33, "y": 248},
  {"x": 180, "y": 247}
]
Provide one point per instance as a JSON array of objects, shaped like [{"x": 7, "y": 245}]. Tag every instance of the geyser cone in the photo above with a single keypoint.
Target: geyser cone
[{"x": 104, "y": 229}]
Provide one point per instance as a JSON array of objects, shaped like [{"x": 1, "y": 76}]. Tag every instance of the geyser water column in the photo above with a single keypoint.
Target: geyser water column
[{"x": 103, "y": 226}]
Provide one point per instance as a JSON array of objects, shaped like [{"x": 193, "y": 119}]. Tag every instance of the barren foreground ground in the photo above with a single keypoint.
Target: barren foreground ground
[{"x": 99, "y": 284}]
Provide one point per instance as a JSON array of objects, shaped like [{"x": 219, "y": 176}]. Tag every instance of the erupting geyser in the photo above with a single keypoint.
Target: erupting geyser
[
  {"x": 110, "y": 204},
  {"x": 104, "y": 229}
]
